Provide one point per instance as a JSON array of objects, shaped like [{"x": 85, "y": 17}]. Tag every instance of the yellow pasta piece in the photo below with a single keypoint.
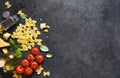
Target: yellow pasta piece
[
  {"x": 39, "y": 43},
  {"x": 45, "y": 74},
  {"x": 46, "y": 30},
  {"x": 39, "y": 69},
  {"x": 19, "y": 12},
  {"x": 8, "y": 5},
  {"x": 37, "y": 33}
]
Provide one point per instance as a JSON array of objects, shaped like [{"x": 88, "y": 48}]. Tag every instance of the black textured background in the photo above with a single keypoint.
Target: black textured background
[{"x": 84, "y": 36}]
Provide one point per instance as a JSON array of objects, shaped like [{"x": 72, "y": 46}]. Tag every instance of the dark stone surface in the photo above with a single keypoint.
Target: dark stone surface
[{"x": 84, "y": 36}]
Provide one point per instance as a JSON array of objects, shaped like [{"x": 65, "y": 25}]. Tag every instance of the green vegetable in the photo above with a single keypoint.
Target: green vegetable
[
  {"x": 18, "y": 53},
  {"x": 19, "y": 46},
  {"x": 44, "y": 48},
  {"x": 15, "y": 47},
  {"x": 23, "y": 16},
  {"x": 11, "y": 41},
  {"x": 49, "y": 55}
]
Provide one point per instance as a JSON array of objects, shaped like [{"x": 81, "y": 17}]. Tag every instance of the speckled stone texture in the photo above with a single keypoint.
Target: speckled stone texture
[{"x": 84, "y": 36}]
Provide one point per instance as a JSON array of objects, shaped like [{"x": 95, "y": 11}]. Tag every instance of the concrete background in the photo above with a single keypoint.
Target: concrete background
[{"x": 84, "y": 36}]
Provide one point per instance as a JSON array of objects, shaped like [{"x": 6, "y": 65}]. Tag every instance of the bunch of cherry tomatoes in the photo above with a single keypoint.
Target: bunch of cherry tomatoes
[{"x": 31, "y": 63}]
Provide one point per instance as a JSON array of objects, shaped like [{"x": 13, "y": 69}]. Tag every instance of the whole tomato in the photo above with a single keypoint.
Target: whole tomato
[
  {"x": 34, "y": 65},
  {"x": 40, "y": 58},
  {"x": 28, "y": 71},
  {"x": 35, "y": 51},
  {"x": 25, "y": 63},
  {"x": 19, "y": 69},
  {"x": 30, "y": 57}
]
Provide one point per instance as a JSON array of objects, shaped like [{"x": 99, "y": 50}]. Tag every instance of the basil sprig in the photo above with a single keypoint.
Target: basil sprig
[{"x": 15, "y": 47}]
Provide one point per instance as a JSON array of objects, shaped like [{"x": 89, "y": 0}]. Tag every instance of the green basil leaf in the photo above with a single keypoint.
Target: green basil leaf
[
  {"x": 18, "y": 53},
  {"x": 44, "y": 48},
  {"x": 23, "y": 16},
  {"x": 19, "y": 46},
  {"x": 11, "y": 41},
  {"x": 15, "y": 47}
]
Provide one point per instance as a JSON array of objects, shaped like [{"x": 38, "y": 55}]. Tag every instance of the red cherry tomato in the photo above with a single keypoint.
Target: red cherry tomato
[
  {"x": 40, "y": 58},
  {"x": 30, "y": 57},
  {"x": 25, "y": 63},
  {"x": 19, "y": 69},
  {"x": 34, "y": 65},
  {"x": 28, "y": 71},
  {"x": 35, "y": 51}
]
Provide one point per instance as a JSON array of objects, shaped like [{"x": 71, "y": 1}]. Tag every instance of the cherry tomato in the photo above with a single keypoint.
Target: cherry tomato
[
  {"x": 35, "y": 51},
  {"x": 34, "y": 65},
  {"x": 30, "y": 57},
  {"x": 40, "y": 58},
  {"x": 25, "y": 63},
  {"x": 28, "y": 71},
  {"x": 19, "y": 69}
]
